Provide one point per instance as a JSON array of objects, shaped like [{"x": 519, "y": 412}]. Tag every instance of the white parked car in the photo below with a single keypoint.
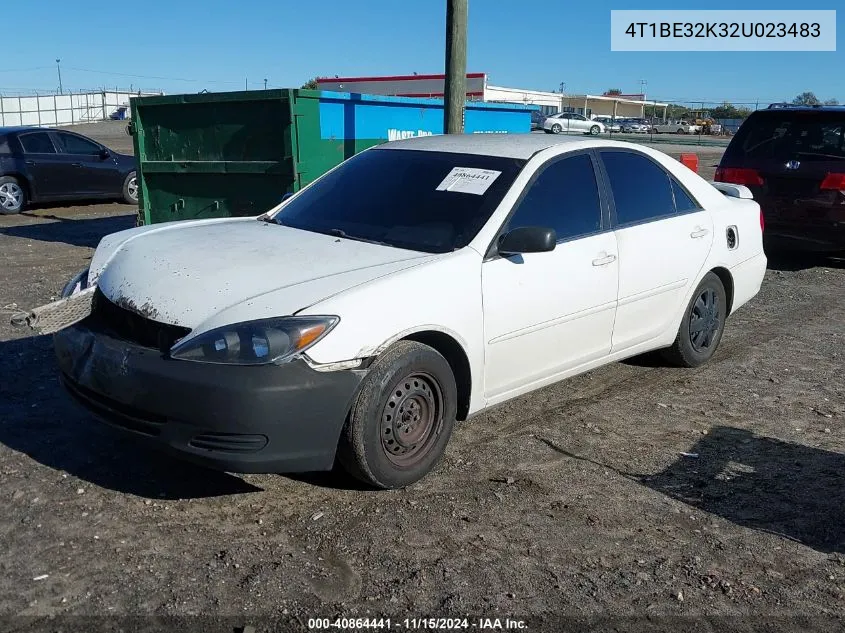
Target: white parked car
[
  {"x": 679, "y": 127},
  {"x": 418, "y": 283},
  {"x": 568, "y": 122},
  {"x": 633, "y": 126}
]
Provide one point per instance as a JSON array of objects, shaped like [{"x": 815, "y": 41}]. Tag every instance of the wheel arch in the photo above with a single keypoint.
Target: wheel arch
[
  {"x": 724, "y": 276},
  {"x": 454, "y": 353},
  {"x": 727, "y": 280}
]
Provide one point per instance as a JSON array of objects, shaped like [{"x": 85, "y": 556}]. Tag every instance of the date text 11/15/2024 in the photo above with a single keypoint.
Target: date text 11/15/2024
[{"x": 356, "y": 624}]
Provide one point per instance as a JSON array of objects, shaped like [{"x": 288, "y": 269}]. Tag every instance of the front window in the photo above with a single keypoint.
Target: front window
[
  {"x": 404, "y": 198},
  {"x": 77, "y": 145},
  {"x": 564, "y": 197}
]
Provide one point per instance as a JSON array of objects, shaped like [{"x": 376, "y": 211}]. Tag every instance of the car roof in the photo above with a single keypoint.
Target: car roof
[
  {"x": 522, "y": 146},
  {"x": 789, "y": 107},
  {"x": 19, "y": 128}
]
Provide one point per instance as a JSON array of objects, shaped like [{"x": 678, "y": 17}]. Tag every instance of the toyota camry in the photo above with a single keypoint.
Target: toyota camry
[{"x": 415, "y": 285}]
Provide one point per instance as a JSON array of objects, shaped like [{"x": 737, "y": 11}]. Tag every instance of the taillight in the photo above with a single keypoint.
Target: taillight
[
  {"x": 738, "y": 176},
  {"x": 834, "y": 181},
  {"x": 762, "y": 223}
]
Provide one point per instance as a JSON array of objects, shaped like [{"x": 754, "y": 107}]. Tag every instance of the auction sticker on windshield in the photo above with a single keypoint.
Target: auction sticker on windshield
[{"x": 468, "y": 180}]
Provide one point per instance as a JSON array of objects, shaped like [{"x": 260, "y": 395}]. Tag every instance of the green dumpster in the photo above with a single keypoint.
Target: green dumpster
[{"x": 225, "y": 154}]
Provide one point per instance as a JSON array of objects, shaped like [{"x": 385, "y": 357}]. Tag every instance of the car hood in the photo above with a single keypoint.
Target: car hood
[{"x": 197, "y": 274}]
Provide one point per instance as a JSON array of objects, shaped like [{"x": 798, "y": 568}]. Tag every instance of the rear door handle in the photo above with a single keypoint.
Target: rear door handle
[
  {"x": 76, "y": 164},
  {"x": 698, "y": 232},
  {"x": 30, "y": 162},
  {"x": 605, "y": 260}
]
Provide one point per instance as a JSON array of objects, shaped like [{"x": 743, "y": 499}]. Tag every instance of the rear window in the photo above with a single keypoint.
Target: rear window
[
  {"x": 783, "y": 135},
  {"x": 37, "y": 143}
]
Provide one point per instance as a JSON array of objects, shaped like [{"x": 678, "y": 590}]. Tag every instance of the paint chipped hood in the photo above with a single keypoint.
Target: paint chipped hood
[{"x": 207, "y": 273}]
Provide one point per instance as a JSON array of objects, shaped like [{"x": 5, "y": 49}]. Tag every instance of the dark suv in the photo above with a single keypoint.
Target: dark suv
[
  {"x": 792, "y": 158},
  {"x": 44, "y": 165}
]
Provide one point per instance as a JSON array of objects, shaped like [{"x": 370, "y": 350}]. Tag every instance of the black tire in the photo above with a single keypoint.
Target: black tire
[
  {"x": 702, "y": 326},
  {"x": 594, "y": 130},
  {"x": 413, "y": 379},
  {"x": 556, "y": 128},
  {"x": 681, "y": 131},
  {"x": 12, "y": 195},
  {"x": 130, "y": 188}
]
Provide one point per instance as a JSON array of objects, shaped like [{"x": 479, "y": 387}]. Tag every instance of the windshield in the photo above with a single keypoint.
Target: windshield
[
  {"x": 402, "y": 198},
  {"x": 784, "y": 135}
]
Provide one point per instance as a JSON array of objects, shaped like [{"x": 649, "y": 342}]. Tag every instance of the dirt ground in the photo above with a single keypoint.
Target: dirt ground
[{"x": 632, "y": 492}]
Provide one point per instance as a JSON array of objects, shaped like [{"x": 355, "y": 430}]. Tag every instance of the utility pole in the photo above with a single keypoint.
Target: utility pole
[
  {"x": 265, "y": 84},
  {"x": 455, "y": 91},
  {"x": 643, "y": 84},
  {"x": 59, "y": 68}
]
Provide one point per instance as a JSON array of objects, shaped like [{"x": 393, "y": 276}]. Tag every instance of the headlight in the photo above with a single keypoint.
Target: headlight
[
  {"x": 78, "y": 282},
  {"x": 256, "y": 342}
]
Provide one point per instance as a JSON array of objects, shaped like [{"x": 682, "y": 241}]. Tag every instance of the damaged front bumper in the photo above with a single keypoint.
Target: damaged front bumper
[
  {"x": 253, "y": 419},
  {"x": 54, "y": 316}
]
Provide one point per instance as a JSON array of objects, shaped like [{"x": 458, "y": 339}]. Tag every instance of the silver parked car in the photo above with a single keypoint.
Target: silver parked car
[{"x": 571, "y": 122}]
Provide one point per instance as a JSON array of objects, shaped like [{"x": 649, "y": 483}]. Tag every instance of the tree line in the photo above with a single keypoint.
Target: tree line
[{"x": 728, "y": 110}]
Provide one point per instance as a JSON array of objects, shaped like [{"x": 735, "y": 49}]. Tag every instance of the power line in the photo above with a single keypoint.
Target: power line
[
  {"x": 105, "y": 72},
  {"x": 23, "y": 70}
]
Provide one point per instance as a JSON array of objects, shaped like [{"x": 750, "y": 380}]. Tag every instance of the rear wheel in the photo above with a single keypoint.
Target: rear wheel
[
  {"x": 680, "y": 130},
  {"x": 594, "y": 130},
  {"x": 702, "y": 326},
  {"x": 402, "y": 419},
  {"x": 130, "y": 189},
  {"x": 556, "y": 129},
  {"x": 12, "y": 196}
]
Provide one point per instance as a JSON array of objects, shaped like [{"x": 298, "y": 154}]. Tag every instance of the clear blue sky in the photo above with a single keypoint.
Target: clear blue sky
[{"x": 159, "y": 43}]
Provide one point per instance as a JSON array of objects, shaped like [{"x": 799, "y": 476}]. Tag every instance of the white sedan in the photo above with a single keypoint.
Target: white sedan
[
  {"x": 418, "y": 283},
  {"x": 568, "y": 122}
]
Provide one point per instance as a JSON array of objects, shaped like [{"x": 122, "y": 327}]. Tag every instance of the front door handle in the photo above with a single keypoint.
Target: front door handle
[
  {"x": 698, "y": 232},
  {"x": 76, "y": 164},
  {"x": 30, "y": 162},
  {"x": 604, "y": 260}
]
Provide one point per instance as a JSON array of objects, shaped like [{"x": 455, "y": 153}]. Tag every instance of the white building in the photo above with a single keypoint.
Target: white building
[
  {"x": 477, "y": 88},
  {"x": 65, "y": 109}
]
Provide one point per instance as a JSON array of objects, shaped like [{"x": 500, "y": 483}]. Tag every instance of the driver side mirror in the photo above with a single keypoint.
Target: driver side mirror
[
  {"x": 527, "y": 239},
  {"x": 104, "y": 153}
]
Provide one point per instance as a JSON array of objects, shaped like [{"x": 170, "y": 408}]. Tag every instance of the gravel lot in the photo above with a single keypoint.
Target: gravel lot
[{"x": 634, "y": 490}]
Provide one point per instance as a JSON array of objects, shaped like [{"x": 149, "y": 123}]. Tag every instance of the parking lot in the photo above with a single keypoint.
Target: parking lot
[{"x": 634, "y": 489}]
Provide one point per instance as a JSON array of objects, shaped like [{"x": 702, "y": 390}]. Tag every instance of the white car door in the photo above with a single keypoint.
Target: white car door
[
  {"x": 579, "y": 123},
  {"x": 664, "y": 238},
  {"x": 548, "y": 312}
]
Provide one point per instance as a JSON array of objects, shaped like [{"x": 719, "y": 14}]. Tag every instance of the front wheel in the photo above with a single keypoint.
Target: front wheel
[
  {"x": 702, "y": 326},
  {"x": 130, "y": 188},
  {"x": 402, "y": 418},
  {"x": 594, "y": 130},
  {"x": 556, "y": 128}
]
